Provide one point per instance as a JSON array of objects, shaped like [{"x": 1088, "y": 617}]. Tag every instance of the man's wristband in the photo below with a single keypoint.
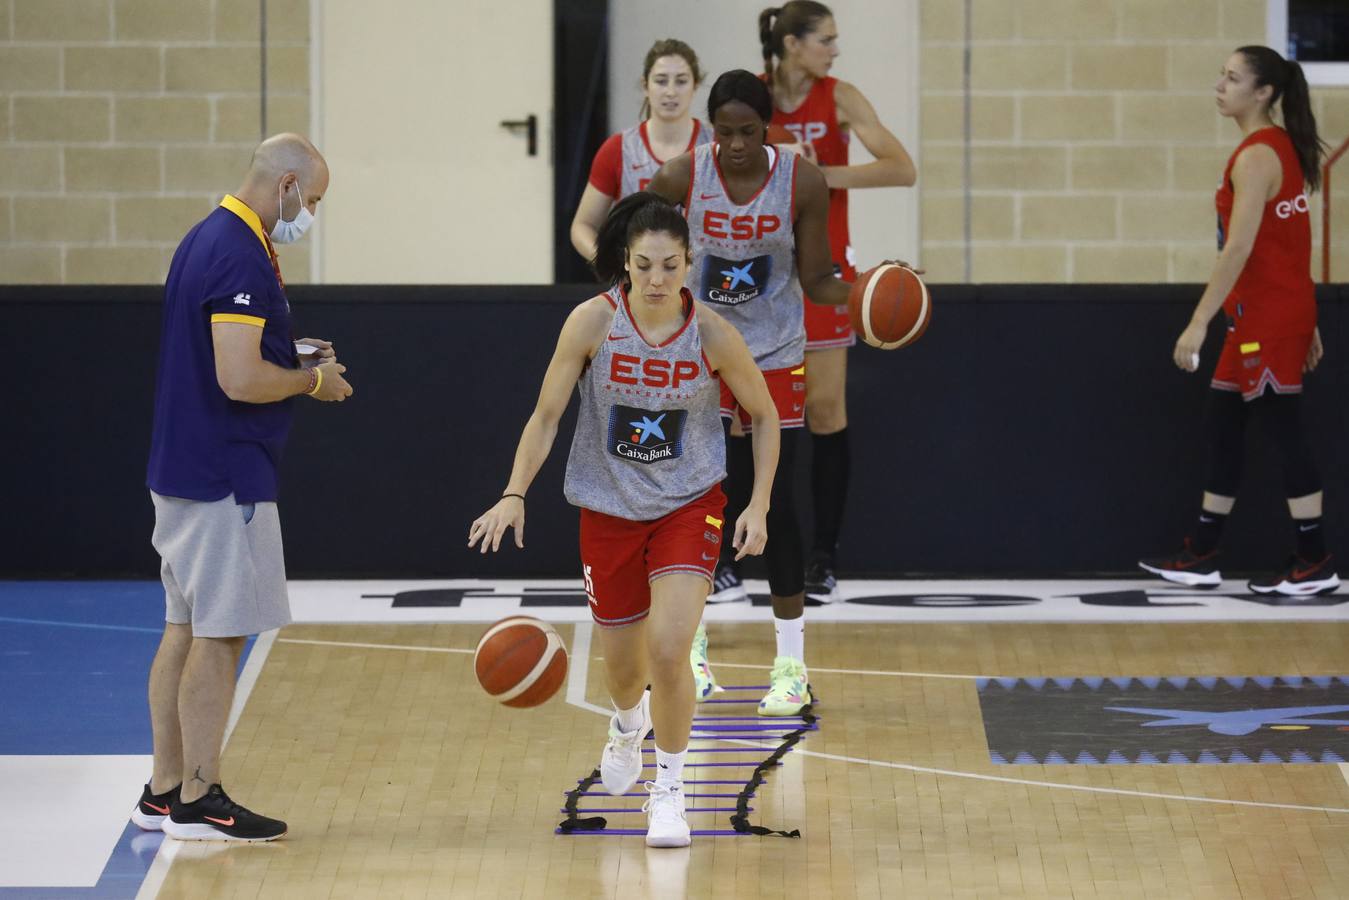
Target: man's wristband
[
  {"x": 315, "y": 381},
  {"x": 521, "y": 496}
]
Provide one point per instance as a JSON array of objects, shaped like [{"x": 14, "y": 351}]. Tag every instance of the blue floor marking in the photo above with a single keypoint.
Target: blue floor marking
[{"x": 74, "y": 660}]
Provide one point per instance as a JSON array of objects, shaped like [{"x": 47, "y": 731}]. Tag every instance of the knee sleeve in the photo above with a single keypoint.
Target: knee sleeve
[
  {"x": 783, "y": 556},
  {"x": 1280, "y": 421},
  {"x": 1226, "y": 420}
]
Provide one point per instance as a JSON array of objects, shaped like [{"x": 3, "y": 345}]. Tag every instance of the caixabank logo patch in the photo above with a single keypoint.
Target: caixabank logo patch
[
  {"x": 646, "y": 436},
  {"x": 732, "y": 282}
]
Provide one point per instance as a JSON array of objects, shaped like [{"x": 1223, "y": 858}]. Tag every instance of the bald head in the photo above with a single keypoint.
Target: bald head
[
  {"x": 283, "y": 166},
  {"x": 286, "y": 152}
]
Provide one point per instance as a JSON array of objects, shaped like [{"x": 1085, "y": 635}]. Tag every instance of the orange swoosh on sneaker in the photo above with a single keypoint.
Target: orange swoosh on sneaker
[
  {"x": 226, "y": 822},
  {"x": 162, "y": 810},
  {"x": 1299, "y": 574}
]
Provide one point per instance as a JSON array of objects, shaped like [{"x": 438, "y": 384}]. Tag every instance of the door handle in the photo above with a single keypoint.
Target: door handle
[{"x": 531, "y": 126}]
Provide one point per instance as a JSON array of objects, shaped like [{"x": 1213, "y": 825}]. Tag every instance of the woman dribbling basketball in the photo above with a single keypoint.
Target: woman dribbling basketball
[{"x": 646, "y": 464}]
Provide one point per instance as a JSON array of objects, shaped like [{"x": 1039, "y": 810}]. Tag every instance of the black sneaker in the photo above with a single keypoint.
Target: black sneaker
[
  {"x": 726, "y": 585},
  {"x": 821, "y": 585},
  {"x": 1186, "y": 567},
  {"x": 215, "y": 817},
  {"x": 1299, "y": 579},
  {"x": 153, "y": 809}
]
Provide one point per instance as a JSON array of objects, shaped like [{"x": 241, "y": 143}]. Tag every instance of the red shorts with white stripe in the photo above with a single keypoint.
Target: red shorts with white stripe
[
  {"x": 620, "y": 558},
  {"x": 1251, "y": 367},
  {"x": 787, "y": 387},
  {"x": 828, "y": 326}
]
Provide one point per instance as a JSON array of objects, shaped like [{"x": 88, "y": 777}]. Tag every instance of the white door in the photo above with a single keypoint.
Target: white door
[{"x": 427, "y": 185}]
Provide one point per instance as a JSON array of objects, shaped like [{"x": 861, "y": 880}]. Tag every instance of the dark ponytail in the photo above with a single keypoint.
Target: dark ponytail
[
  {"x": 797, "y": 18},
  {"x": 766, "y": 38},
  {"x": 1290, "y": 85},
  {"x": 630, "y": 218}
]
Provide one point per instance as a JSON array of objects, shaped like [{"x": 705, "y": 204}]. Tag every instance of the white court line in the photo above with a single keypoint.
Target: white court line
[
  {"x": 859, "y": 671},
  {"x": 579, "y": 670},
  {"x": 376, "y": 646},
  {"x": 168, "y": 849},
  {"x": 576, "y": 691}
]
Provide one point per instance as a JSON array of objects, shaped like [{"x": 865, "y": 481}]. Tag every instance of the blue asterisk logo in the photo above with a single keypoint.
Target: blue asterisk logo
[
  {"x": 738, "y": 274},
  {"x": 1237, "y": 722},
  {"x": 647, "y": 427}
]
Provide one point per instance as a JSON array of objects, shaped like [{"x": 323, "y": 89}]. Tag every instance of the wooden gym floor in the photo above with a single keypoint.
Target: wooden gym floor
[{"x": 399, "y": 778}]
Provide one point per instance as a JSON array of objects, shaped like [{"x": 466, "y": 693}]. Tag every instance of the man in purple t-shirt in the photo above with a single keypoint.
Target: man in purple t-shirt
[{"x": 229, "y": 371}]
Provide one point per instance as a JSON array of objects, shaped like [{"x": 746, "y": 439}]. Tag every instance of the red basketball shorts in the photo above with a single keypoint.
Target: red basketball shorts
[
  {"x": 620, "y": 558},
  {"x": 1250, "y": 367},
  {"x": 828, "y": 326},
  {"x": 787, "y": 387}
]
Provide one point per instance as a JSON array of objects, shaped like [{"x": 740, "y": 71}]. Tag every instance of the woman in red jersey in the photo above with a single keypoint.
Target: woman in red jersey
[
  {"x": 626, "y": 161},
  {"x": 824, "y": 113},
  {"x": 645, "y": 468},
  {"x": 1262, "y": 282}
]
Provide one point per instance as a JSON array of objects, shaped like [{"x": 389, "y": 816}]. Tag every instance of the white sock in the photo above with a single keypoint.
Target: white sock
[
  {"x": 630, "y": 719},
  {"x": 791, "y": 634},
  {"x": 670, "y": 769}
]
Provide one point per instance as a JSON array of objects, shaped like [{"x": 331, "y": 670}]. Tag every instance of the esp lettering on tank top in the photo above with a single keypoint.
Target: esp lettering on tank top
[
  {"x": 648, "y": 432},
  {"x": 744, "y": 256}
]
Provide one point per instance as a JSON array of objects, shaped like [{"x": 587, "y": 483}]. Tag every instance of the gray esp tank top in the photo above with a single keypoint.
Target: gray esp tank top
[
  {"x": 648, "y": 433},
  {"x": 745, "y": 257},
  {"x": 640, "y": 164}
]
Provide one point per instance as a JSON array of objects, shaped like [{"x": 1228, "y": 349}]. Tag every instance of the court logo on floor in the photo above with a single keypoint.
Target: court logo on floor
[{"x": 1174, "y": 720}]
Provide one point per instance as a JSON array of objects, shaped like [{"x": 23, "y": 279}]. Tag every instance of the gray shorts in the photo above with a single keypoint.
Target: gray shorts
[{"x": 223, "y": 569}]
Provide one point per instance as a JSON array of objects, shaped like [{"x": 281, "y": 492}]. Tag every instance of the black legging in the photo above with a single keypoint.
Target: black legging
[
  {"x": 1279, "y": 420},
  {"x": 783, "y": 554}
]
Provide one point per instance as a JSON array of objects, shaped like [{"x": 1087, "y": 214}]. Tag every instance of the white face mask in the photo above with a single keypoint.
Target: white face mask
[{"x": 289, "y": 232}]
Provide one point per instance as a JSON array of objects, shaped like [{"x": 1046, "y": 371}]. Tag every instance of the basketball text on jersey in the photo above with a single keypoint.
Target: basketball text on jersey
[
  {"x": 731, "y": 282},
  {"x": 645, "y": 435}
]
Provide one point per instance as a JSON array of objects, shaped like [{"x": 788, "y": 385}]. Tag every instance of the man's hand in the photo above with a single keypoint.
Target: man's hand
[
  {"x": 323, "y": 352},
  {"x": 333, "y": 386},
  {"x": 1314, "y": 352}
]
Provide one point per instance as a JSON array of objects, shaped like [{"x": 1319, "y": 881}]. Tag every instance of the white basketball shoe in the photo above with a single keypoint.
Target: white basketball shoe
[{"x": 621, "y": 761}]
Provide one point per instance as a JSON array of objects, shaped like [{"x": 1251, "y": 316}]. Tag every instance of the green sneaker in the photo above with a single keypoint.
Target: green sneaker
[
  {"x": 704, "y": 682},
  {"x": 790, "y": 692}
]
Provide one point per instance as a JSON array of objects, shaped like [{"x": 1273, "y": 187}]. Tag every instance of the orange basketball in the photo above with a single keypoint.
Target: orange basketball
[
  {"x": 779, "y": 135},
  {"x": 889, "y": 306},
  {"x": 520, "y": 661}
]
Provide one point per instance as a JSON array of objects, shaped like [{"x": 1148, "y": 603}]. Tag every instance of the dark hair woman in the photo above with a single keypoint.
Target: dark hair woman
[
  {"x": 646, "y": 465},
  {"x": 1262, "y": 282}
]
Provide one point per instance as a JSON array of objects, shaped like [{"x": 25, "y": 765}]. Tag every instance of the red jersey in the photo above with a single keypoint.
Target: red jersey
[
  {"x": 625, "y": 162},
  {"x": 1274, "y": 296},
  {"x": 815, "y": 122}
]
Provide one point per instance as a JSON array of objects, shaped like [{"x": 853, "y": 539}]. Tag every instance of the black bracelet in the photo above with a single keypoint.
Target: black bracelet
[{"x": 521, "y": 496}]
